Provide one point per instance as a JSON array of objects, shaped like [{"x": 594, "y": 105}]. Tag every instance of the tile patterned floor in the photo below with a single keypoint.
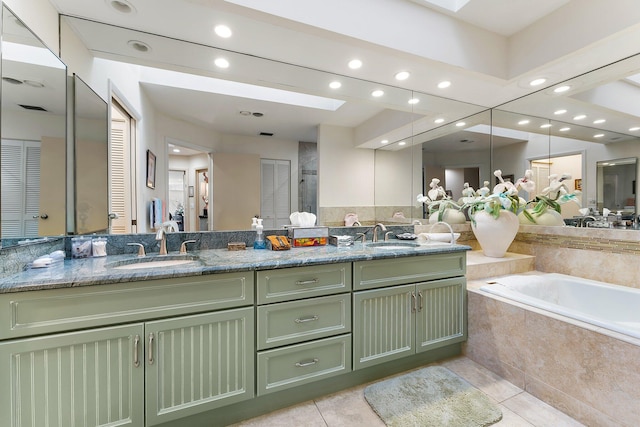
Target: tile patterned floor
[{"x": 348, "y": 408}]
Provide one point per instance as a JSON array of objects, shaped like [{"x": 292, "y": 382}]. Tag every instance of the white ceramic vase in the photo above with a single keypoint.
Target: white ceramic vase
[
  {"x": 450, "y": 216},
  {"x": 495, "y": 234},
  {"x": 549, "y": 217}
]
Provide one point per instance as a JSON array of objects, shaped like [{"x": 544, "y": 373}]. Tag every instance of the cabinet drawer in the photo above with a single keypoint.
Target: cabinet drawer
[
  {"x": 398, "y": 271},
  {"x": 303, "y": 363},
  {"x": 296, "y": 321},
  {"x": 39, "y": 312},
  {"x": 302, "y": 282}
]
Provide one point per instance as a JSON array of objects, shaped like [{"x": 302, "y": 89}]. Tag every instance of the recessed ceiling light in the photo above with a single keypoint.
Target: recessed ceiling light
[
  {"x": 176, "y": 150},
  {"x": 564, "y": 129},
  {"x": 245, "y": 113},
  {"x": 221, "y": 63},
  {"x": 122, "y": 6},
  {"x": 33, "y": 83},
  {"x": 598, "y": 135},
  {"x": 524, "y": 122},
  {"x": 413, "y": 101},
  {"x": 444, "y": 84},
  {"x": 354, "y": 64},
  {"x": 223, "y": 31},
  {"x": 537, "y": 82},
  {"x": 139, "y": 46},
  {"x": 579, "y": 117},
  {"x": 438, "y": 121},
  {"x": 402, "y": 143},
  {"x": 12, "y": 80},
  {"x": 635, "y": 128},
  {"x": 561, "y": 89},
  {"x": 599, "y": 121},
  {"x": 335, "y": 85},
  {"x": 558, "y": 112},
  {"x": 384, "y": 141},
  {"x": 546, "y": 125},
  {"x": 377, "y": 93},
  {"x": 257, "y": 114},
  {"x": 402, "y": 75},
  {"x": 460, "y": 124}
]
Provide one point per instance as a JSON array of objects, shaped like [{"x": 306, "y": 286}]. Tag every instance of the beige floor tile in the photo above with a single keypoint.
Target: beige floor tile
[
  {"x": 511, "y": 419},
  {"x": 348, "y": 408},
  {"x": 480, "y": 377},
  {"x": 303, "y": 415},
  {"x": 539, "y": 413}
]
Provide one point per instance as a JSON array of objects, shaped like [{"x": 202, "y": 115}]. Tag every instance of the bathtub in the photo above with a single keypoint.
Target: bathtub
[{"x": 601, "y": 304}]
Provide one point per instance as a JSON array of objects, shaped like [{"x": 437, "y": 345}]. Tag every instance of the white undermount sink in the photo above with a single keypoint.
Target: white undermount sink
[
  {"x": 156, "y": 262},
  {"x": 392, "y": 245}
]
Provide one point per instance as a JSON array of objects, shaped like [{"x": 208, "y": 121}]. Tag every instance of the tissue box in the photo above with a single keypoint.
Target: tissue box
[
  {"x": 308, "y": 236},
  {"x": 341, "y": 241}
]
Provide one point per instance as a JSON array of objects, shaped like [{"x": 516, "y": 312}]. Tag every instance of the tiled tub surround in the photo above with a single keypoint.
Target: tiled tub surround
[{"x": 587, "y": 372}]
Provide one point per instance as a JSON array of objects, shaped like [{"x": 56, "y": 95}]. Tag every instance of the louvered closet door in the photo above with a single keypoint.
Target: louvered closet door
[
  {"x": 20, "y": 188},
  {"x": 119, "y": 195},
  {"x": 275, "y": 192}
]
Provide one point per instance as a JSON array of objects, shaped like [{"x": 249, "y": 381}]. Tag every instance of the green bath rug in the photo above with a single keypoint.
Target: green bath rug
[{"x": 431, "y": 397}]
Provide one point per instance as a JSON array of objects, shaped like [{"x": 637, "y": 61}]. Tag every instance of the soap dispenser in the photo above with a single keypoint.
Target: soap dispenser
[{"x": 259, "y": 243}]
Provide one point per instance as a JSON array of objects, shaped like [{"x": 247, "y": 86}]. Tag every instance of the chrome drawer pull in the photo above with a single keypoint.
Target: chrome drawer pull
[
  {"x": 306, "y": 319},
  {"x": 307, "y": 282},
  {"x": 306, "y": 363},
  {"x": 151, "y": 348},
  {"x": 136, "y": 345}
]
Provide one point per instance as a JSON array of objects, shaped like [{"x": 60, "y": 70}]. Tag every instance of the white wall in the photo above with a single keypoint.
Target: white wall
[
  {"x": 346, "y": 174},
  {"x": 40, "y": 16}
]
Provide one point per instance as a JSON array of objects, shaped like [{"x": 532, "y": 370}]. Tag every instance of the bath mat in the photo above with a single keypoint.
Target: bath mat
[{"x": 432, "y": 396}]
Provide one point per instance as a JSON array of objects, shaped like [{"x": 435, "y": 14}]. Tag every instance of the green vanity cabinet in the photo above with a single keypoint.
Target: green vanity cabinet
[
  {"x": 85, "y": 378},
  {"x": 397, "y": 321},
  {"x": 303, "y": 325},
  {"x": 197, "y": 363},
  {"x": 170, "y": 348}
]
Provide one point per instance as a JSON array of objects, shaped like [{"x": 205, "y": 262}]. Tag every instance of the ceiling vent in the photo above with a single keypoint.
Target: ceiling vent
[
  {"x": 32, "y": 107},
  {"x": 266, "y": 134}
]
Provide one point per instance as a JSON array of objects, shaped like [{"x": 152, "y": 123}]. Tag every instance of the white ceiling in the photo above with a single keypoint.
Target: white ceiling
[{"x": 489, "y": 49}]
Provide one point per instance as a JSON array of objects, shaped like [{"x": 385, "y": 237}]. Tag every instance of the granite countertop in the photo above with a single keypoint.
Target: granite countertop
[{"x": 98, "y": 271}]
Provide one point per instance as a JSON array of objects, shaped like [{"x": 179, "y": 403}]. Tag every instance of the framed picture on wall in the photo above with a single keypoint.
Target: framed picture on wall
[
  {"x": 151, "y": 169},
  {"x": 578, "y": 184}
]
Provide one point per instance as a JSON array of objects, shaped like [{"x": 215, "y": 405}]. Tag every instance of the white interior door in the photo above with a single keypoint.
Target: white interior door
[{"x": 275, "y": 198}]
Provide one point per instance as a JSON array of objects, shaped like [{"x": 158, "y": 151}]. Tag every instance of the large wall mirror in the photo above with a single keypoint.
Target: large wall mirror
[
  {"x": 33, "y": 130},
  {"x": 91, "y": 159},
  {"x": 587, "y": 121}
]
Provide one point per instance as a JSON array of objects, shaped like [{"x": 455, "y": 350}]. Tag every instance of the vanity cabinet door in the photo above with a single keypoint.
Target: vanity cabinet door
[
  {"x": 197, "y": 363},
  {"x": 86, "y": 378},
  {"x": 383, "y": 325},
  {"x": 441, "y": 314}
]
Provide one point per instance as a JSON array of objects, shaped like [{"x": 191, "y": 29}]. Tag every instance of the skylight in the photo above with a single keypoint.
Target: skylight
[
  {"x": 30, "y": 55},
  {"x": 231, "y": 88},
  {"x": 452, "y": 5}
]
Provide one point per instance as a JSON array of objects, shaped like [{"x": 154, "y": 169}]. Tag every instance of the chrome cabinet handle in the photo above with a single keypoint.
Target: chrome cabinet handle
[
  {"x": 413, "y": 302},
  {"x": 420, "y": 298},
  {"x": 306, "y": 319},
  {"x": 307, "y": 282},
  {"x": 304, "y": 363},
  {"x": 136, "y": 351},
  {"x": 151, "y": 337}
]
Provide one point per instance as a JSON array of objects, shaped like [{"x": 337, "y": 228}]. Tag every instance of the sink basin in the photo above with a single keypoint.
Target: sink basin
[
  {"x": 392, "y": 245},
  {"x": 156, "y": 262}
]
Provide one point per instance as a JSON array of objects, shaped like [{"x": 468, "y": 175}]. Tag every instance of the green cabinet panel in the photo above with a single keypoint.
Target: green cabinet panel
[
  {"x": 441, "y": 316},
  {"x": 399, "y": 321},
  {"x": 302, "y": 282},
  {"x": 398, "y": 271},
  {"x": 87, "y": 378},
  {"x": 295, "y": 321},
  {"x": 197, "y": 363},
  {"x": 383, "y": 325},
  {"x": 57, "y": 310},
  {"x": 299, "y": 364}
]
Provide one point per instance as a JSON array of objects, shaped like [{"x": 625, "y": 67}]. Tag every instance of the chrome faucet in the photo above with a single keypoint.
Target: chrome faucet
[
  {"x": 583, "y": 221},
  {"x": 375, "y": 230},
  {"x": 161, "y": 235}
]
